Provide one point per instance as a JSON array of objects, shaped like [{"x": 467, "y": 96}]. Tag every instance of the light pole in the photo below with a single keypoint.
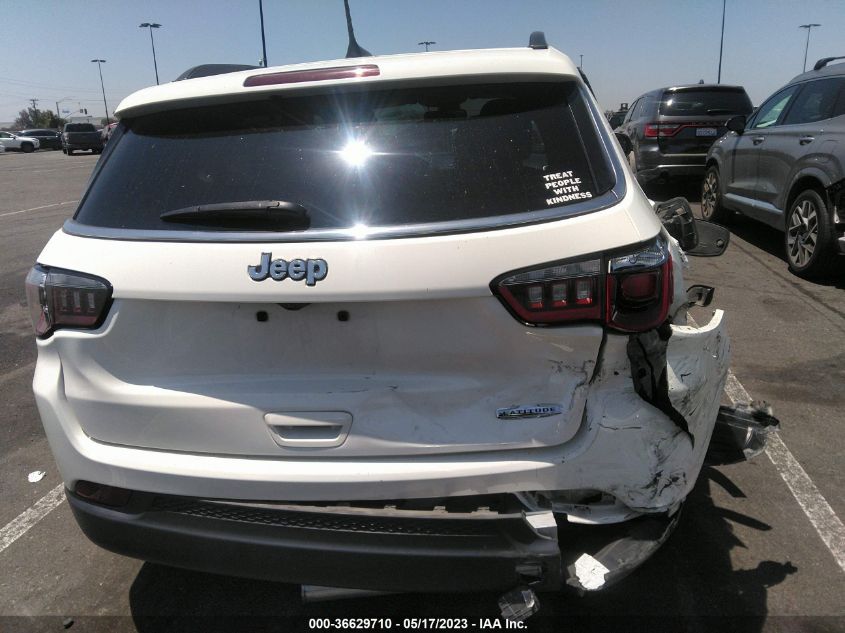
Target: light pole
[
  {"x": 100, "y": 63},
  {"x": 426, "y": 44},
  {"x": 721, "y": 44},
  {"x": 809, "y": 28},
  {"x": 151, "y": 26}
]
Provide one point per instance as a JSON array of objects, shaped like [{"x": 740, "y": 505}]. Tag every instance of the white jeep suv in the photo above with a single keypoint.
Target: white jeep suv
[{"x": 333, "y": 322}]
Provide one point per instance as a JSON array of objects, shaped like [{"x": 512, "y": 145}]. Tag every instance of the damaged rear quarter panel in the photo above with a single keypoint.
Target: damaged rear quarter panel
[{"x": 667, "y": 419}]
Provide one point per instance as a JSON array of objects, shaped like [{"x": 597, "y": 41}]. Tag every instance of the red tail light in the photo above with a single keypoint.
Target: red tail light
[
  {"x": 667, "y": 130},
  {"x": 62, "y": 298},
  {"x": 631, "y": 292}
]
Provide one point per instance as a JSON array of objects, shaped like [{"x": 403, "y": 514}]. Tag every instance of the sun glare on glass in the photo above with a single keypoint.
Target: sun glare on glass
[{"x": 355, "y": 153}]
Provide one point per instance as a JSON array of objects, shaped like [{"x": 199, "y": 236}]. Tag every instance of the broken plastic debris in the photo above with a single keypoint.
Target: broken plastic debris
[
  {"x": 590, "y": 572},
  {"x": 543, "y": 522},
  {"x": 36, "y": 476},
  {"x": 741, "y": 433},
  {"x": 519, "y": 604}
]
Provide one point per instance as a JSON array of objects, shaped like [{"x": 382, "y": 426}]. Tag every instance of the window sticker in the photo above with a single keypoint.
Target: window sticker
[{"x": 564, "y": 187}]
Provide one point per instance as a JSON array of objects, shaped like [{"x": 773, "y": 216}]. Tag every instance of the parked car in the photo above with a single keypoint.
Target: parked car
[
  {"x": 106, "y": 132},
  {"x": 329, "y": 323},
  {"x": 81, "y": 136},
  {"x": 667, "y": 132},
  {"x": 49, "y": 139},
  {"x": 785, "y": 166},
  {"x": 16, "y": 142},
  {"x": 616, "y": 118}
]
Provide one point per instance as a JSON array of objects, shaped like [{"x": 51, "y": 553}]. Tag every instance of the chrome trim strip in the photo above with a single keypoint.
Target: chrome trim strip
[{"x": 607, "y": 199}]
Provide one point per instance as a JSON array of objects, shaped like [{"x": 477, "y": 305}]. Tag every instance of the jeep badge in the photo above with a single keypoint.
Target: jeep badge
[{"x": 311, "y": 270}]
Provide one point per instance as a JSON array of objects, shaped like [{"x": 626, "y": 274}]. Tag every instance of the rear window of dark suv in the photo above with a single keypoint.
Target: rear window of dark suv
[
  {"x": 705, "y": 101},
  {"x": 376, "y": 158},
  {"x": 80, "y": 127}
]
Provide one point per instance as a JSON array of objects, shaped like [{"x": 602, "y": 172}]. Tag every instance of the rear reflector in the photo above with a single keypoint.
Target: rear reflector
[
  {"x": 63, "y": 298},
  {"x": 630, "y": 292},
  {"x": 316, "y": 74},
  {"x": 104, "y": 495}
]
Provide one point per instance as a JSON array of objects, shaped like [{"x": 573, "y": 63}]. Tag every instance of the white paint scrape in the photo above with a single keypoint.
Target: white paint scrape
[{"x": 590, "y": 572}]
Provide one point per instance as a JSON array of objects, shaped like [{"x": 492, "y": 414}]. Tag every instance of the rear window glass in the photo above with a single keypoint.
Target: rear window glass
[
  {"x": 375, "y": 158},
  {"x": 705, "y": 102},
  {"x": 80, "y": 127}
]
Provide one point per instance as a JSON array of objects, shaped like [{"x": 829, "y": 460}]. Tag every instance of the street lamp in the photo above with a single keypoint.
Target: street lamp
[
  {"x": 426, "y": 44},
  {"x": 100, "y": 63},
  {"x": 809, "y": 28},
  {"x": 151, "y": 26}
]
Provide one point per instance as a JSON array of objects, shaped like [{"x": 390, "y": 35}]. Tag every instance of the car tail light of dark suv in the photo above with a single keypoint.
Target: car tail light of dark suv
[
  {"x": 629, "y": 292},
  {"x": 60, "y": 298}
]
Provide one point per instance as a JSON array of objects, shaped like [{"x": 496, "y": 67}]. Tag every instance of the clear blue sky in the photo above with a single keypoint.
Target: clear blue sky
[{"x": 629, "y": 46}]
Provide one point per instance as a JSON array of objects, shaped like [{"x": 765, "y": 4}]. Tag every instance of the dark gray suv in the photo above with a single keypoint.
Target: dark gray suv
[
  {"x": 784, "y": 166},
  {"x": 667, "y": 132}
]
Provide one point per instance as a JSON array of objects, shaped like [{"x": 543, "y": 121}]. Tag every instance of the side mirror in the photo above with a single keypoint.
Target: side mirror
[{"x": 737, "y": 124}]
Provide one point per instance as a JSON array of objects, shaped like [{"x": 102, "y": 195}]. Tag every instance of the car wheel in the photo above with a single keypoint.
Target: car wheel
[
  {"x": 69, "y": 152},
  {"x": 27, "y": 147},
  {"x": 810, "y": 236},
  {"x": 712, "y": 208}
]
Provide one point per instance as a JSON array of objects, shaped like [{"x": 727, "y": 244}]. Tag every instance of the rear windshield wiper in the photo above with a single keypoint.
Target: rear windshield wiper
[{"x": 252, "y": 213}]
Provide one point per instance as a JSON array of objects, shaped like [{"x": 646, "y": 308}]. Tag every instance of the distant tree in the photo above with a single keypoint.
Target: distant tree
[{"x": 36, "y": 118}]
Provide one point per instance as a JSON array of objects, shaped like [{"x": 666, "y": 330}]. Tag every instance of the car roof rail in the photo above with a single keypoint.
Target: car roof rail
[
  {"x": 207, "y": 70},
  {"x": 537, "y": 41},
  {"x": 824, "y": 61}
]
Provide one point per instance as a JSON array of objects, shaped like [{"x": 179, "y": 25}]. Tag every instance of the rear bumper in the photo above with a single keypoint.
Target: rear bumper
[
  {"x": 83, "y": 145},
  {"x": 374, "y": 551},
  {"x": 652, "y": 164},
  {"x": 612, "y": 452}
]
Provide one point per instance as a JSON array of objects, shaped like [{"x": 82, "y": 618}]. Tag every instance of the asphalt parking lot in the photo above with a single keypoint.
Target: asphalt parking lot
[{"x": 756, "y": 549}]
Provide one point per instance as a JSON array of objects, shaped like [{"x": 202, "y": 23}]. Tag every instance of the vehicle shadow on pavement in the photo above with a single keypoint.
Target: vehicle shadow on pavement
[
  {"x": 770, "y": 240},
  {"x": 689, "y": 585}
]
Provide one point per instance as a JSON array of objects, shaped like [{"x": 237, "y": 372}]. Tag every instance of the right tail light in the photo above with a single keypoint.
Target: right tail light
[{"x": 630, "y": 292}]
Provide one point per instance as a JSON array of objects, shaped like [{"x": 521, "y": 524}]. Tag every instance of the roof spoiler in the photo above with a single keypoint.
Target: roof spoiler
[
  {"x": 824, "y": 61},
  {"x": 207, "y": 70},
  {"x": 354, "y": 49}
]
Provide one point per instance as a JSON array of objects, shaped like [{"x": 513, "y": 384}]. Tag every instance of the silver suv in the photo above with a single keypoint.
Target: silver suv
[{"x": 784, "y": 166}]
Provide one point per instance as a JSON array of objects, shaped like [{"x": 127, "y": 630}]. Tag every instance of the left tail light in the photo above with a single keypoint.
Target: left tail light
[
  {"x": 60, "y": 298},
  {"x": 629, "y": 291}
]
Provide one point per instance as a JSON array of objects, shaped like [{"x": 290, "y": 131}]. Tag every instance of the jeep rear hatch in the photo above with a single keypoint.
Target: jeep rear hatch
[{"x": 227, "y": 340}]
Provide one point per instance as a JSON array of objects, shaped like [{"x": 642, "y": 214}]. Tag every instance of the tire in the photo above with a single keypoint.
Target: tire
[
  {"x": 69, "y": 152},
  {"x": 27, "y": 148},
  {"x": 712, "y": 208},
  {"x": 810, "y": 238}
]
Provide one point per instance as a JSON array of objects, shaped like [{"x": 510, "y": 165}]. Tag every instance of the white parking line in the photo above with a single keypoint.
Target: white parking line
[
  {"x": 815, "y": 506},
  {"x": 20, "y": 525},
  {"x": 44, "y": 206}
]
